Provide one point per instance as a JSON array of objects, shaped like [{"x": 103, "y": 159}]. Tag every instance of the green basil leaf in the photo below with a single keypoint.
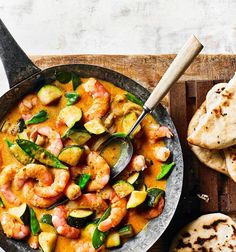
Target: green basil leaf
[
  {"x": 75, "y": 80},
  {"x": 1, "y": 203},
  {"x": 165, "y": 169},
  {"x": 71, "y": 98},
  {"x": 63, "y": 77},
  {"x": 38, "y": 118},
  {"x": 83, "y": 180},
  {"x": 134, "y": 99},
  {"x": 34, "y": 224}
]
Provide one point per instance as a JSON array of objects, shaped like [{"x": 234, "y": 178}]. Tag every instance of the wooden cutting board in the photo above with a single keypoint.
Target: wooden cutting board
[{"x": 185, "y": 97}]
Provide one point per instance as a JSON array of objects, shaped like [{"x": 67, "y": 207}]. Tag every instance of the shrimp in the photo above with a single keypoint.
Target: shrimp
[
  {"x": 59, "y": 222},
  {"x": 86, "y": 246},
  {"x": 118, "y": 210},
  {"x": 26, "y": 105},
  {"x": 33, "y": 241},
  {"x": 98, "y": 169},
  {"x": 161, "y": 153},
  {"x": 154, "y": 132},
  {"x": 12, "y": 228},
  {"x": 32, "y": 198},
  {"x": 35, "y": 171},
  {"x": 101, "y": 99},
  {"x": 61, "y": 178},
  {"x": 72, "y": 191},
  {"x": 6, "y": 177},
  {"x": 155, "y": 211},
  {"x": 88, "y": 201},
  {"x": 55, "y": 143}
]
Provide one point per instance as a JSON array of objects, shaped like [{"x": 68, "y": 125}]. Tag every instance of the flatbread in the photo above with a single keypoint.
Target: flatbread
[
  {"x": 211, "y": 232},
  {"x": 212, "y": 158},
  {"x": 217, "y": 128},
  {"x": 230, "y": 157}
]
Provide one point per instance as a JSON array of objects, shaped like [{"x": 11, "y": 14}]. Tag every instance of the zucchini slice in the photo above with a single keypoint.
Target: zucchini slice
[
  {"x": 143, "y": 188},
  {"x": 70, "y": 115},
  {"x": 18, "y": 153},
  {"x": 47, "y": 228},
  {"x": 128, "y": 122},
  {"x": 46, "y": 218},
  {"x": 95, "y": 126},
  {"x": 126, "y": 231},
  {"x": 48, "y": 94},
  {"x": 113, "y": 240},
  {"x": 87, "y": 232},
  {"x": 136, "y": 199},
  {"x": 153, "y": 196},
  {"x": 47, "y": 241},
  {"x": 136, "y": 180},
  {"x": 79, "y": 136},
  {"x": 21, "y": 213},
  {"x": 123, "y": 188},
  {"x": 79, "y": 217},
  {"x": 71, "y": 155}
]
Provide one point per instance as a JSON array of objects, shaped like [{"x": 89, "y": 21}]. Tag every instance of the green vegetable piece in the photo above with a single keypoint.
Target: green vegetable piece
[
  {"x": 75, "y": 80},
  {"x": 153, "y": 196},
  {"x": 1, "y": 203},
  {"x": 21, "y": 125},
  {"x": 126, "y": 231},
  {"x": 98, "y": 236},
  {"x": 34, "y": 224},
  {"x": 78, "y": 218},
  {"x": 123, "y": 188},
  {"x": 165, "y": 169},
  {"x": 46, "y": 218},
  {"x": 63, "y": 77},
  {"x": 49, "y": 94},
  {"x": 21, "y": 213},
  {"x": 83, "y": 180},
  {"x": 47, "y": 241},
  {"x": 71, "y": 98},
  {"x": 41, "y": 116},
  {"x": 58, "y": 203},
  {"x": 40, "y": 154},
  {"x": 134, "y": 99},
  {"x": 113, "y": 240},
  {"x": 79, "y": 136}
]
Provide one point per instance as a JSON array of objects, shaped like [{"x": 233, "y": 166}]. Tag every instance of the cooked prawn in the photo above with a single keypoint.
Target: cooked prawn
[
  {"x": 138, "y": 163},
  {"x": 118, "y": 210},
  {"x": 155, "y": 211},
  {"x": 6, "y": 177},
  {"x": 101, "y": 99},
  {"x": 26, "y": 105},
  {"x": 88, "y": 201},
  {"x": 72, "y": 191},
  {"x": 34, "y": 171},
  {"x": 12, "y": 228},
  {"x": 55, "y": 143},
  {"x": 155, "y": 132},
  {"x": 32, "y": 198},
  {"x": 59, "y": 222},
  {"x": 161, "y": 153},
  {"x": 61, "y": 178}
]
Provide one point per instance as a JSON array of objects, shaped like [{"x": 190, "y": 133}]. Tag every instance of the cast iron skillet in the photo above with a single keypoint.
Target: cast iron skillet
[{"x": 24, "y": 77}]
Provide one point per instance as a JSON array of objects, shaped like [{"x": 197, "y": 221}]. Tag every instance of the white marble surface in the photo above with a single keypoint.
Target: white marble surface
[{"x": 118, "y": 26}]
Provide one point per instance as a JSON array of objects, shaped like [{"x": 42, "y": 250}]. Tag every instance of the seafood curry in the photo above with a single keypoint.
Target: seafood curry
[{"x": 55, "y": 185}]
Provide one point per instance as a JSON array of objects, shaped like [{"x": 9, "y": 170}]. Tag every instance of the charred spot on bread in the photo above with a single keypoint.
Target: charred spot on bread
[
  {"x": 214, "y": 224},
  {"x": 181, "y": 244},
  {"x": 201, "y": 241}
]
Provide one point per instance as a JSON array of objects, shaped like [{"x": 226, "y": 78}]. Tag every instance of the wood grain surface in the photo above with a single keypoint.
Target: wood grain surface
[{"x": 183, "y": 100}]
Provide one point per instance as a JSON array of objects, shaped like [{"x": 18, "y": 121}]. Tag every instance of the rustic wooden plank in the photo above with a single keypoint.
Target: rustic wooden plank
[{"x": 208, "y": 180}]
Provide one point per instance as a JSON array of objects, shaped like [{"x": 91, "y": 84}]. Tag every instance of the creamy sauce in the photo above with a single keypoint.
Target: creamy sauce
[{"x": 142, "y": 146}]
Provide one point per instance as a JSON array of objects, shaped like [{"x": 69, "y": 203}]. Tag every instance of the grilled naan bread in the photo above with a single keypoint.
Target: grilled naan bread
[
  {"x": 217, "y": 128},
  {"x": 211, "y": 232}
]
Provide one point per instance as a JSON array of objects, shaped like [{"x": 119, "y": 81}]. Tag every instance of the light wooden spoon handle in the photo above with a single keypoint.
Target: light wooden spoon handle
[{"x": 181, "y": 62}]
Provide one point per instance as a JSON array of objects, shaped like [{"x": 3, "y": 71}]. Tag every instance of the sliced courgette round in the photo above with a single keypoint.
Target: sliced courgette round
[
  {"x": 70, "y": 115},
  {"x": 123, "y": 188},
  {"x": 47, "y": 241},
  {"x": 136, "y": 199},
  {"x": 113, "y": 240},
  {"x": 79, "y": 218},
  {"x": 126, "y": 231},
  {"x": 79, "y": 136},
  {"x": 136, "y": 180},
  {"x": 128, "y": 122},
  {"x": 143, "y": 188},
  {"x": 46, "y": 218},
  {"x": 48, "y": 94},
  {"x": 71, "y": 154},
  {"x": 95, "y": 126},
  {"x": 87, "y": 232},
  {"x": 47, "y": 228},
  {"x": 21, "y": 213},
  {"x": 153, "y": 196}
]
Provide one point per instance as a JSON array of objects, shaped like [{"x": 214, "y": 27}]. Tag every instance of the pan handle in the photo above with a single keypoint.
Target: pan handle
[{"x": 17, "y": 65}]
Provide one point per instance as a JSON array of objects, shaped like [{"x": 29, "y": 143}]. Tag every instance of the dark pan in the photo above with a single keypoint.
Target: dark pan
[{"x": 24, "y": 77}]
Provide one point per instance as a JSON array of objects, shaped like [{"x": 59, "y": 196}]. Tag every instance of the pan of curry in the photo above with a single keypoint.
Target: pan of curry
[{"x": 55, "y": 190}]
